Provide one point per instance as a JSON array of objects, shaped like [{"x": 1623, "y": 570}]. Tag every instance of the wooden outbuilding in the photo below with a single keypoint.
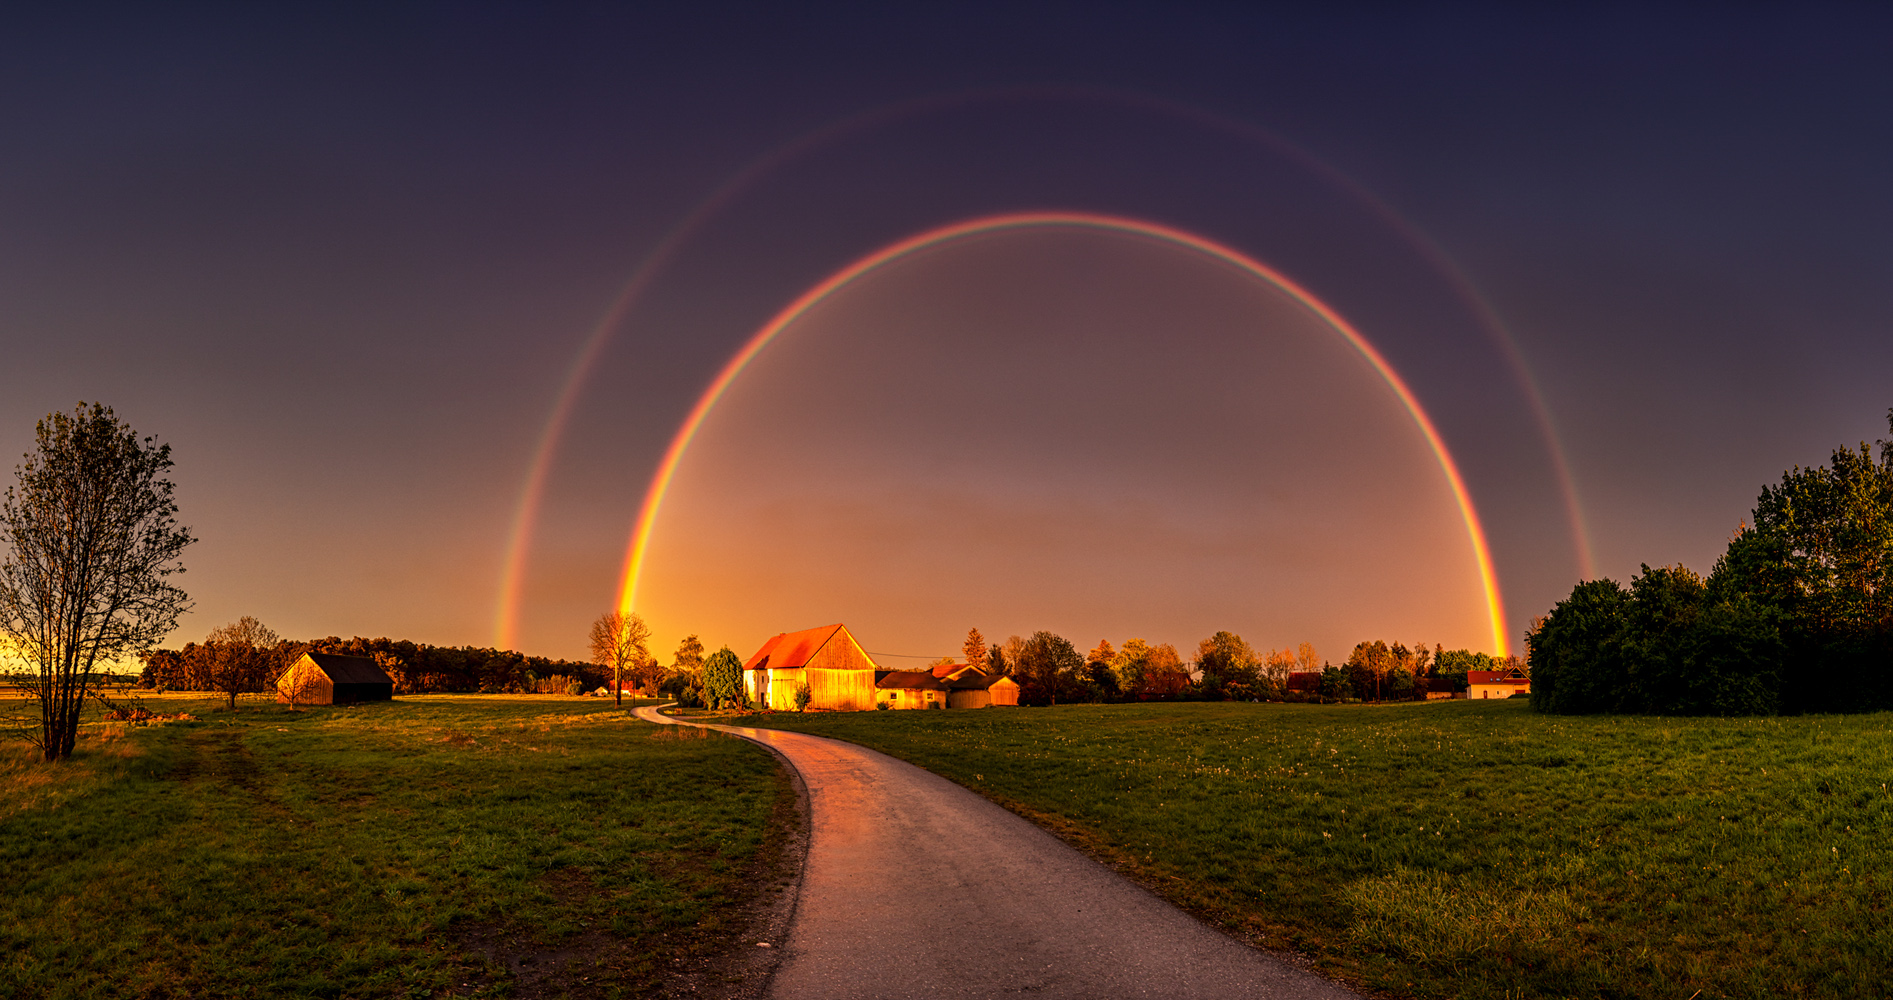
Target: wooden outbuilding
[
  {"x": 978, "y": 689},
  {"x": 333, "y": 679},
  {"x": 839, "y": 673}
]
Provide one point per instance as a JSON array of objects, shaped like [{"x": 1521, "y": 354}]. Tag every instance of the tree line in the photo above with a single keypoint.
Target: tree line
[
  {"x": 246, "y": 657},
  {"x": 1796, "y": 615},
  {"x": 1050, "y": 670}
]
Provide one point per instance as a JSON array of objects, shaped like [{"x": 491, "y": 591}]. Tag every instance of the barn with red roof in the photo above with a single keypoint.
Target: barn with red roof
[
  {"x": 842, "y": 676},
  {"x": 839, "y": 673}
]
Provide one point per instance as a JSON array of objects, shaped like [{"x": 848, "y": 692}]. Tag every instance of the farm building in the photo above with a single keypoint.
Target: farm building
[
  {"x": 332, "y": 679},
  {"x": 1497, "y": 683},
  {"x": 909, "y": 689},
  {"x": 841, "y": 675},
  {"x": 977, "y": 689},
  {"x": 960, "y": 687}
]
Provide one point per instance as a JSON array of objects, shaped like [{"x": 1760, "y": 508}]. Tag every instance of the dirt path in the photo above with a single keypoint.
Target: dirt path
[{"x": 916, "y": 887}]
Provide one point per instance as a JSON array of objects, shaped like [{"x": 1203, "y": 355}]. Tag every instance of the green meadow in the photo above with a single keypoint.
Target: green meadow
[
  {"x": 1468, "y": 849},
  {"x": 432, "y": 846}
]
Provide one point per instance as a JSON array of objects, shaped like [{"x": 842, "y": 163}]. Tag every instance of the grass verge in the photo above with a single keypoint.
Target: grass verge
[
  {"x": 1467, "y": 849},
  {"x": 432, "y": 846}
]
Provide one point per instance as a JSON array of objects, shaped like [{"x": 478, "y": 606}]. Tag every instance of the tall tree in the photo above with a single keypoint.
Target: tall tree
[
  {"x": 1129, "y": 664},
  {"x": 1836, "y": 523},
  {"x": 92, "y": 535},
  {"x": 1098, "y": 670},
  {"x": 1305, "y": 658},
  {"x": 689, "y": 660},
  {"x": 974, "y": 649},
  {"x": 1277, "y": 666},
  {"x": 1047, "y": 664},
  {"x": 1230, "y": 667},
  {"x": 242, "y": 656},
  {"x": 1164, "y": 673},
  {"x": 619, "y": 644}
]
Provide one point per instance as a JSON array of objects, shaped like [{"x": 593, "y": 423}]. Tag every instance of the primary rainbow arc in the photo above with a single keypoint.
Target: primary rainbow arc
[{"x": 667, "y": 468}]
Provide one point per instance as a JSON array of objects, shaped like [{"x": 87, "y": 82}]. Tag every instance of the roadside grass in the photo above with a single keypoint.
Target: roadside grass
[
  {"x": 1467, "y": 849},
  {"x": 431, "y": 846}
]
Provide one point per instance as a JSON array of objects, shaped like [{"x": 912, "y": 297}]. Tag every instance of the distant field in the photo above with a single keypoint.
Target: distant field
[
  {"x": 1468, "y": 849},
  {"x": 415, "y": 848}
]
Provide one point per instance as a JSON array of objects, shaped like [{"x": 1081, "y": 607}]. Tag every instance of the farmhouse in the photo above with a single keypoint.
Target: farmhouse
[
  {"x": 842, "y": 676},
  {"x": 1497, "y": 683},
  {"x": 331, "y": 679}
]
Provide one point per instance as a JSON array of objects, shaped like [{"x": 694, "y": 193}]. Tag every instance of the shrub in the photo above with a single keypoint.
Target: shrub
[
  {"x": 555, "y": 684},
  {"x": 723, "y": 678},
  {"x": 803, "y": 695}
]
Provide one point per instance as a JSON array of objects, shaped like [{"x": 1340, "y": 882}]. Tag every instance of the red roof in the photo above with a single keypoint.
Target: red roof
[
  {"x": 909, "y": 679},
  {"x": 1496, "y": 677},
  {"x": 790, "y": 650},
  {"x": 1304, "y": 680}
]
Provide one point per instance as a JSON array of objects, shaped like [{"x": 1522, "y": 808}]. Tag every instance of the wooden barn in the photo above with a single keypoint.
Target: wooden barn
[
  {"x": 332, "y": 679},
  {"x": 839, "y": 673}
]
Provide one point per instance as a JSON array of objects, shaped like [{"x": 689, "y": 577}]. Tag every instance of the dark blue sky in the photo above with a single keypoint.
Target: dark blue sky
[{"x": 343, "y": 259}]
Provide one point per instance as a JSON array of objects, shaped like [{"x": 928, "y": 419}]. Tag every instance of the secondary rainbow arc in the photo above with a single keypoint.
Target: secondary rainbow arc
[{"x": 639, "y": 543}]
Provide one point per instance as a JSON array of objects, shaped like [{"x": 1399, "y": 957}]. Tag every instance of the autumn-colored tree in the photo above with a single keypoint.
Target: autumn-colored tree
[
  {"x": 1278, "y": 665},
  {"x": 241, "y": 657},
  {"x": 689, "y": 659},
  {"x": 1164, "y": 673},
  {"x": 1367, "y": 668},
  {"x": 618, "y": 643},
  {"x": 1128, "y": 664},
  {"x": 974, "y": 649},
  {"x": 1305, "y": 658}
]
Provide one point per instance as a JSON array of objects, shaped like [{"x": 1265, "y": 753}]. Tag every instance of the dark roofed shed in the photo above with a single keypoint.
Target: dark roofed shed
[{"x": 333, "y": 679}]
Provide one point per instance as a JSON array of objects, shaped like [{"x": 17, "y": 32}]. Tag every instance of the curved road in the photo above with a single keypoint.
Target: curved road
[{"x": 917, "y": 887}]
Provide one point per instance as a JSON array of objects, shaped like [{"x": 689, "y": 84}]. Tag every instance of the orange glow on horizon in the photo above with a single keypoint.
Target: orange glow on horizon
[{"x": 680, "y": 443}]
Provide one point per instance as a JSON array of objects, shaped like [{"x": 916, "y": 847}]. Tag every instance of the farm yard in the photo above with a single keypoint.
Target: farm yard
[
  {"x": 436, "y": 845},
  {"x": 1467, "y": 849}
]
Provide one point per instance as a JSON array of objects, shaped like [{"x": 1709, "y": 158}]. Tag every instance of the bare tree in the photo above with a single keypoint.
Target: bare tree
[
  {"x": 241, "y": 656},
  {"x": 618, "y": 642},
  {"x": 91, "y": 527}
]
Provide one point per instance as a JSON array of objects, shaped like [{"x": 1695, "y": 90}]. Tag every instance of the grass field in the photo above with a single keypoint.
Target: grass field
[
  {"x": 432, "y": 846},
  {"x": 1468, "y": 849}
]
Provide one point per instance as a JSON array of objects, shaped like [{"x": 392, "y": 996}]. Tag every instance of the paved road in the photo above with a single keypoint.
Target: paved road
[{"x": 916, "y": 887}]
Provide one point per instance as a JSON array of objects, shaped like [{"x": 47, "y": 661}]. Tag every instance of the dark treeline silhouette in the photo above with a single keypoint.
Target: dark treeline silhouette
[
  {"x": 417, "y": 668},
  {"x": 1050, "y": 671},
  {"x": 1797, "y": 615},
  {"x": 1382, "y": 671}
]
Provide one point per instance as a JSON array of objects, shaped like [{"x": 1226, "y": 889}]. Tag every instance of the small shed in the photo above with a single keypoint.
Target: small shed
[
  {"x": 976, "y": 689},
  {"x": 333, "y": 679}
]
